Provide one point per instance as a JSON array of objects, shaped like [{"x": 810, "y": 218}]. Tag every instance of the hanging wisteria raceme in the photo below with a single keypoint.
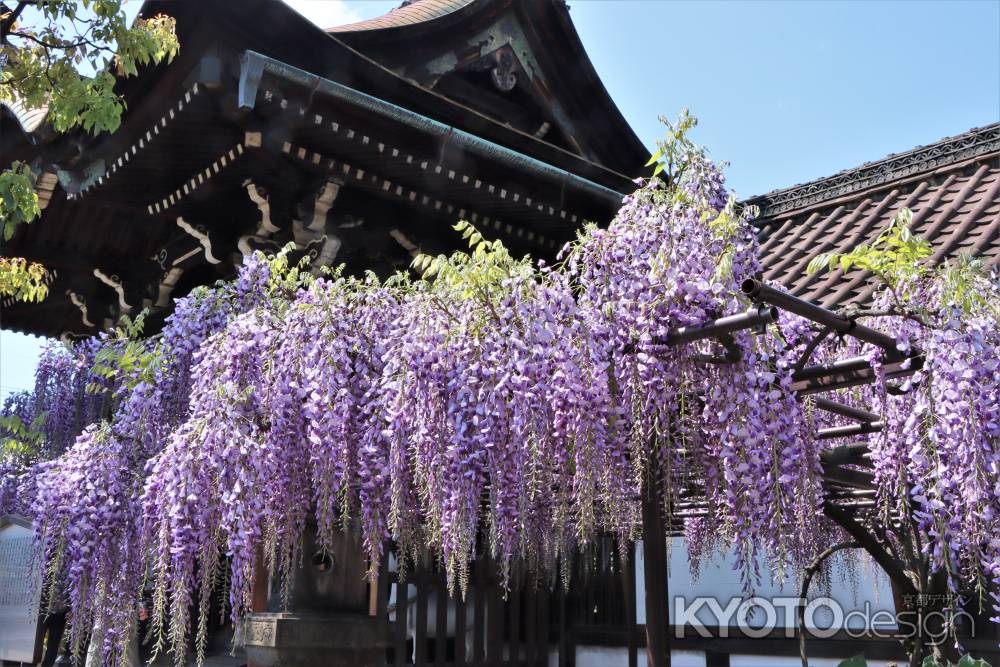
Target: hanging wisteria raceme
[
  {"x": 43, "y": 423},
  {"x": 945, "y": 437},
  {"x": 18, "y": 412},
  {"x": 154, "y": 405},
  {"x": 206, "y": 488},
  {"x": 19, "y": 436},
  {"x": 954, "y": 465},
  {"x": 10, "y": 479},
  {"x": 144, "y": 387},
  {"x": 496, "y": 403},
  {"x": 18, "y": 452},
  {"x": 87, "y": 530},
  {"x": 763, "y": 474},
  {"x": 499, "y": 390},
  {"x": 675, "y": 257},
  {"x": 61, "y": 393},
  {"x": 280, "y": 427}
]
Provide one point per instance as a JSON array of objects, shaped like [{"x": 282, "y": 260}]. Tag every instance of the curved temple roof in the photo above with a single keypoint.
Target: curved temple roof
[{"x": 520, "y": 62}]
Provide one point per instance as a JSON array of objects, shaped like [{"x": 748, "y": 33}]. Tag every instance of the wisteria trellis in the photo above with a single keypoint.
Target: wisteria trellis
[{"x": 502, "y": 399}]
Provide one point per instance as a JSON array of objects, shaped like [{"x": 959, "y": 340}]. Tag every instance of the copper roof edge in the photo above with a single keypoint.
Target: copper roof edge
[{"x": 946, "y": 154}]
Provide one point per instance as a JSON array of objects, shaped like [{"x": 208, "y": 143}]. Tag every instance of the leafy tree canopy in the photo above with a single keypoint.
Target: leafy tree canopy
[{"x": 66, "y": 55}]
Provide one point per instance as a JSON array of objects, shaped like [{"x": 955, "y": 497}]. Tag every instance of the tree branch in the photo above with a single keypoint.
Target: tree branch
[
  {"x": 10, "y": 18},
  {"x": 891, "y": 312},
  {"x": 892, "y": 566},
  {"x": 67, "y": 45},
  {"x": 804, "y": 591}
]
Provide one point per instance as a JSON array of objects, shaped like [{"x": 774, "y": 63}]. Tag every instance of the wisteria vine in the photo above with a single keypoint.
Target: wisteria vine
[{"x": 498, "y": 401}]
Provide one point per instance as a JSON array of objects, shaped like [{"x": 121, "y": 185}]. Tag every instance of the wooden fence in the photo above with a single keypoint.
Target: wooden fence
[{"x": 519, "y": 627}]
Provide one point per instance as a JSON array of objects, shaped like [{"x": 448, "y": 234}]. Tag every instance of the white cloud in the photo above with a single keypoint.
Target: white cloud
[{"x": 326, "y": 13}]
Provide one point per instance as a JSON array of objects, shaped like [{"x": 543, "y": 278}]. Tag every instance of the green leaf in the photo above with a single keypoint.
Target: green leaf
[
  {"x": 18, "y": 199},
  {"x": 855, "y": 661},
  {"x": 904, "y": 217},
  {"x": 23, "y": 280},
  {"x": 817, "y": 263},
  {"x": 895, "y": 256}
]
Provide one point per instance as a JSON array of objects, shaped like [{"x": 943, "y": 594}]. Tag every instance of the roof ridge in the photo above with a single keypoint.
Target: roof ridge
[
  {"x": 407, "y": 13},
  {"x": 947, "y": 151}
]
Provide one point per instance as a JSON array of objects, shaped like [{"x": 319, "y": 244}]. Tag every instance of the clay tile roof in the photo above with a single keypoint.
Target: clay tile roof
[
  {"x": 415, "y": 11},
  {"x": 952, "y": 187}
]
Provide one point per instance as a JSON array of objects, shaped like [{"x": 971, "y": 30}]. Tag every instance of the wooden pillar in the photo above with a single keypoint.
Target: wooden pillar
[
  {"x": 628, "y": 578},
  {"x": 655, "y": 570},
  {"x": 716, "y": 659}
]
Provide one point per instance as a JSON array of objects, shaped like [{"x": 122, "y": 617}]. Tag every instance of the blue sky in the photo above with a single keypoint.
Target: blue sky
[{"x": 786, "y": 91}]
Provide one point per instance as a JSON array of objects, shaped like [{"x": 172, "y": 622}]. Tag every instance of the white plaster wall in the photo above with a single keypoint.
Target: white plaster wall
[
  {"x": 19, "y": 595},
  {"x": 598, "y": 656}
]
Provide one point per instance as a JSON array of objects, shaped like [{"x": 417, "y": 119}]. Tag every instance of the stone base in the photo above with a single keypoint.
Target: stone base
[{"x": 329, "y": 640}]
